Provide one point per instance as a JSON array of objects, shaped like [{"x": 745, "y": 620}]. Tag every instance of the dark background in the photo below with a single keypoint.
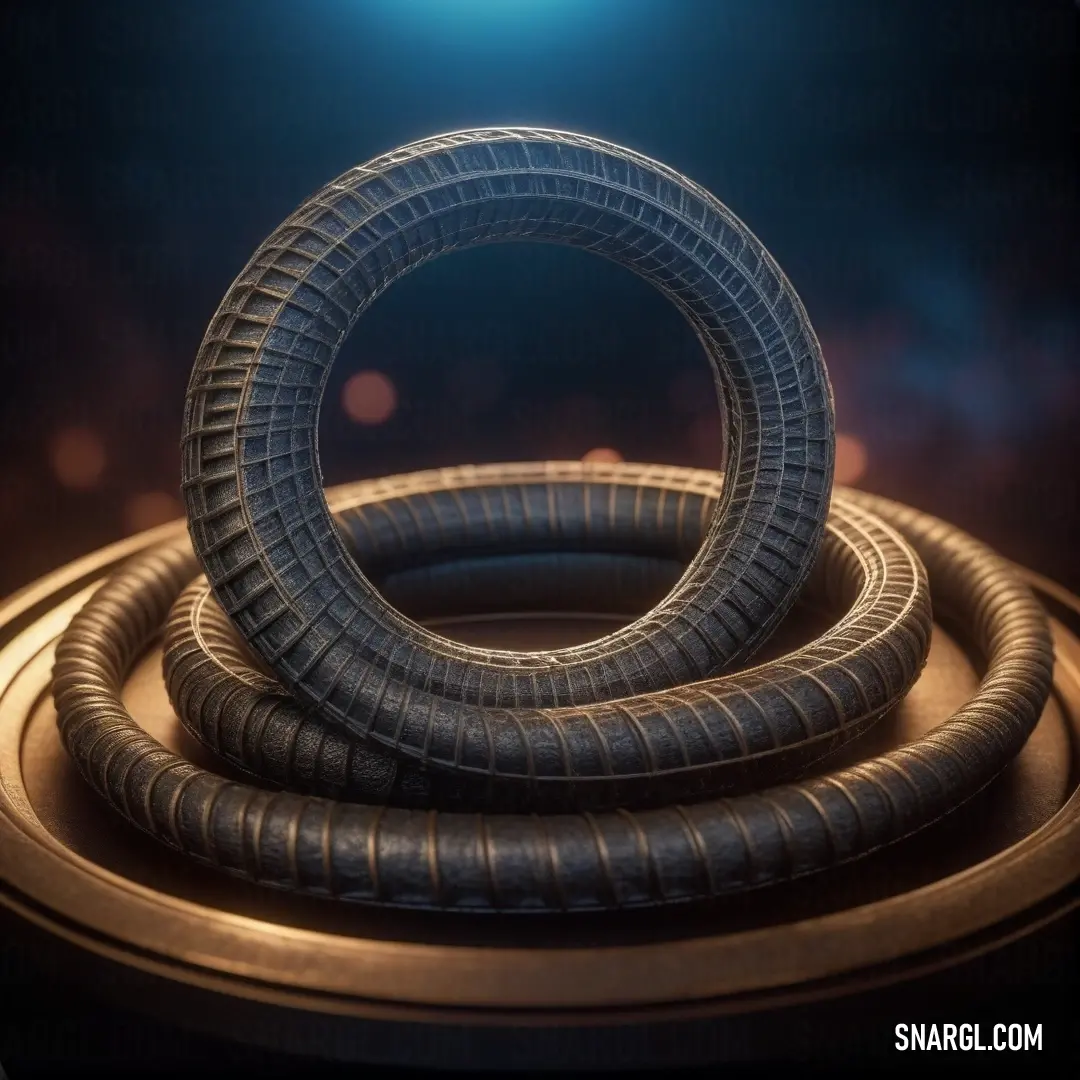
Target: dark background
[{"x": 909, "y": 165}]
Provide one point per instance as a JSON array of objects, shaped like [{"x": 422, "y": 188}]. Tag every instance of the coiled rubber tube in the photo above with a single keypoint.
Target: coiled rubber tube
[{"x": 584, "y": 861}]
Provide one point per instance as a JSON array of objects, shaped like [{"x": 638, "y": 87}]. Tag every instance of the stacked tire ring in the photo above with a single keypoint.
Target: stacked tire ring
[{"x": 396, "y": 767}]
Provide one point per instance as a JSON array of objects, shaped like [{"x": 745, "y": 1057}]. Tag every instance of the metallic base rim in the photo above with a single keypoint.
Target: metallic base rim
[{"x": 72, "y": 898}]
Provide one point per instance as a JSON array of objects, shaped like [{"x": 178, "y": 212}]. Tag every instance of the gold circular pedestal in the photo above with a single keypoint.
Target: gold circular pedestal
[{"x": 663, "y": 988}]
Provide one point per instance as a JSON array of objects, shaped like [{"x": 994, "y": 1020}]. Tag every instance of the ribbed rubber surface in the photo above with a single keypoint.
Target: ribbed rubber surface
[
  {"x": 257, "y": 514},
  {"x": 716, "y": 736},
  {"x": 528, "y": 863}
]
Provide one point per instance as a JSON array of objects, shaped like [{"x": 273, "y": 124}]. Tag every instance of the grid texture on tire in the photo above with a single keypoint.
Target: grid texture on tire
[
  {"x": 257, "y": 514},
  {"x": 720, "y": 735}
]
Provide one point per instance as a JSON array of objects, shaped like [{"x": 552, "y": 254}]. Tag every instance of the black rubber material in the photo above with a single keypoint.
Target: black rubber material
[
  {"x": 258, "y": 517},
  {"x": 535, "y": 863},
  {"x": 241, "y": 713},
  {"x": 723, "y": 735}
]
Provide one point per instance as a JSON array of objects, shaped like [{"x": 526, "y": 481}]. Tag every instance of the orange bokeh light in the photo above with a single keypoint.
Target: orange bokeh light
[
  {"x": 851, "y": 459},
  {"x": 603, "y": 455},
  {"x": 78, "y": 459},
  {"x": 151, "y": 508},
  {"x": 369, "y": 397}
]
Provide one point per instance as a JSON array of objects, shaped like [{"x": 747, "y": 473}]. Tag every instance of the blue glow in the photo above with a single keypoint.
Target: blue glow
[
  {"x": 479, "y": 18},
  {"x": 488, "y": 8}
]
